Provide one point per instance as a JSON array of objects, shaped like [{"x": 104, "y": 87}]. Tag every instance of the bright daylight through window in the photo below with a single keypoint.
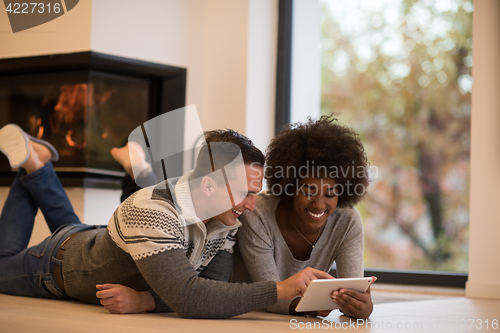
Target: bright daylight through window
[{"x": 399, "y": 73}]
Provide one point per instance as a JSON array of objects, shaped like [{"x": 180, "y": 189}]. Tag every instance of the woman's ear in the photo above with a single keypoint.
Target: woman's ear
[{"x": 208, "y": 186}]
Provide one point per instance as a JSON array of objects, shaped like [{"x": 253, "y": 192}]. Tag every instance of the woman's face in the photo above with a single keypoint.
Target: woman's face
[{"x": 315, "y": 200}]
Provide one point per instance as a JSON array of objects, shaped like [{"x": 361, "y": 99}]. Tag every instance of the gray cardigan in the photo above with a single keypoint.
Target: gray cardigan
[{"x": 264, "y": 255}]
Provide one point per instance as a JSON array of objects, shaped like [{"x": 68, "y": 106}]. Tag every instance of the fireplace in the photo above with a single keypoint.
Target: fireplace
[{"x": 85, "y": 104}]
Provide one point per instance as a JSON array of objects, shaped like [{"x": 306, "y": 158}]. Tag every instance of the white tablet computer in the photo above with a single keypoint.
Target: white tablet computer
[{"x": 318, "y": 294}]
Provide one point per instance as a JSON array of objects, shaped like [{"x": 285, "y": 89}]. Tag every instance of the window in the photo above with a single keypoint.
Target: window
[{"x": 399, "y": 73}]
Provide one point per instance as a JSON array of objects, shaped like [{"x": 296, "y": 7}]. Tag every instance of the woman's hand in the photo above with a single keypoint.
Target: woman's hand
[
  {"x": 354, "y": 303},
  {"x": 117, "y": 298}
]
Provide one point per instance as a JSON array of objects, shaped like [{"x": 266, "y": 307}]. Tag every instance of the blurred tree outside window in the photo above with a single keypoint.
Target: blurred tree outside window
[{"x": 399, "y": 73}]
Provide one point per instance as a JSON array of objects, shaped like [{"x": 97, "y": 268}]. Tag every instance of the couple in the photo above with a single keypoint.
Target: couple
[{"x": 169, "y": 258}]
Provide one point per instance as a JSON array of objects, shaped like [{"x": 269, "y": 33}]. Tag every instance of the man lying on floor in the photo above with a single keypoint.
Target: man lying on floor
[{"x": 176, "y": 244}]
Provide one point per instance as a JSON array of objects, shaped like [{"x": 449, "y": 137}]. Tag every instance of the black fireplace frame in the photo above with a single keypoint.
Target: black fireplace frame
[{"x": 167, "y": 93}]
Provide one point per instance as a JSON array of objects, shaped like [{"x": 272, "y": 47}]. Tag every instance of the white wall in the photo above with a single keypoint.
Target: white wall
[
  {"x": 226, "y": 64},
  {"x": 98, "y": 205},
  {"x": 261, "y": 71},
  {"x": 208, "y": 37},
  {"x": 484, "y": 248},
  {"x": 171, "y": 32}
]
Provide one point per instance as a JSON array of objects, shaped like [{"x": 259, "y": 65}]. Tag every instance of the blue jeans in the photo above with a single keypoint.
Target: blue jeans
[{"x": 30, "y": 271}]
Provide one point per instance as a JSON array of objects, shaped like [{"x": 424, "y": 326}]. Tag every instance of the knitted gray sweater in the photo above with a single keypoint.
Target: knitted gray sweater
[
  {"x": 148, "y": 244},
  {"x": 264, "y": 255}
]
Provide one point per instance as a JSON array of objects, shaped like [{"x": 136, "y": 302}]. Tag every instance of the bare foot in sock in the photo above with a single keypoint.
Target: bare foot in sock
[
  {"x": 132, "y": 158},
  {"x": 39, "y": 155}
]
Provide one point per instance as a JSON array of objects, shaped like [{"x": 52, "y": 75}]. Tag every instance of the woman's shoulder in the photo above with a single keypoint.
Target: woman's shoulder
[
  {"x": 266, "y": 204},
  {"x": 347, "y": 215},
  {"x": 349, "y": 211},
  {"x": 265, "y": 209}
]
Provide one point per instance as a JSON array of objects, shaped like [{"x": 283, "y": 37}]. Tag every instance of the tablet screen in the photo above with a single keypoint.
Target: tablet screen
[{"x": 318, "y": 294}]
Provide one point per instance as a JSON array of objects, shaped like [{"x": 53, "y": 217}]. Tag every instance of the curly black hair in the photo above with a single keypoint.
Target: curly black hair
[{"x": 325, "y": 149}]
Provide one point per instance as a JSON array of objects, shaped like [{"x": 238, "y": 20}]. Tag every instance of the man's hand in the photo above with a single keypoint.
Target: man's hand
[
  {"x": 117, "y": 298},
  {"x": 354, "y": 303},
  {"x": 297, "y": 284}
]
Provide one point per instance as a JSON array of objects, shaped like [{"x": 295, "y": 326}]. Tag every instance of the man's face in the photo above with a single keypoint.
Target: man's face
[{"x": 247, "y": 182}]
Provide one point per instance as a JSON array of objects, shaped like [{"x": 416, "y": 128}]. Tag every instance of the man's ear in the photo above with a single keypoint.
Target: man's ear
[{"x": 208, "y": 186}]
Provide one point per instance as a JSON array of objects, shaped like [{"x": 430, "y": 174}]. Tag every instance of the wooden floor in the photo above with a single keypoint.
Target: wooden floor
[{"x": 404, "y": 311}]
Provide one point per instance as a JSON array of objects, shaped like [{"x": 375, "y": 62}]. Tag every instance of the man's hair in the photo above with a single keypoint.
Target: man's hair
[{"x": 221, "y": 148}]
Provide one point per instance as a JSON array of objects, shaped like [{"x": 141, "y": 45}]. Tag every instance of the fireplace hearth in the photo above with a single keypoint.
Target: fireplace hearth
[{"x": 85, "y": 104}]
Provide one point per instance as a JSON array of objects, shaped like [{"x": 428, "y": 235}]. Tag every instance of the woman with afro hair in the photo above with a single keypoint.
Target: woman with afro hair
[{"x": 316, "y": 172}]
